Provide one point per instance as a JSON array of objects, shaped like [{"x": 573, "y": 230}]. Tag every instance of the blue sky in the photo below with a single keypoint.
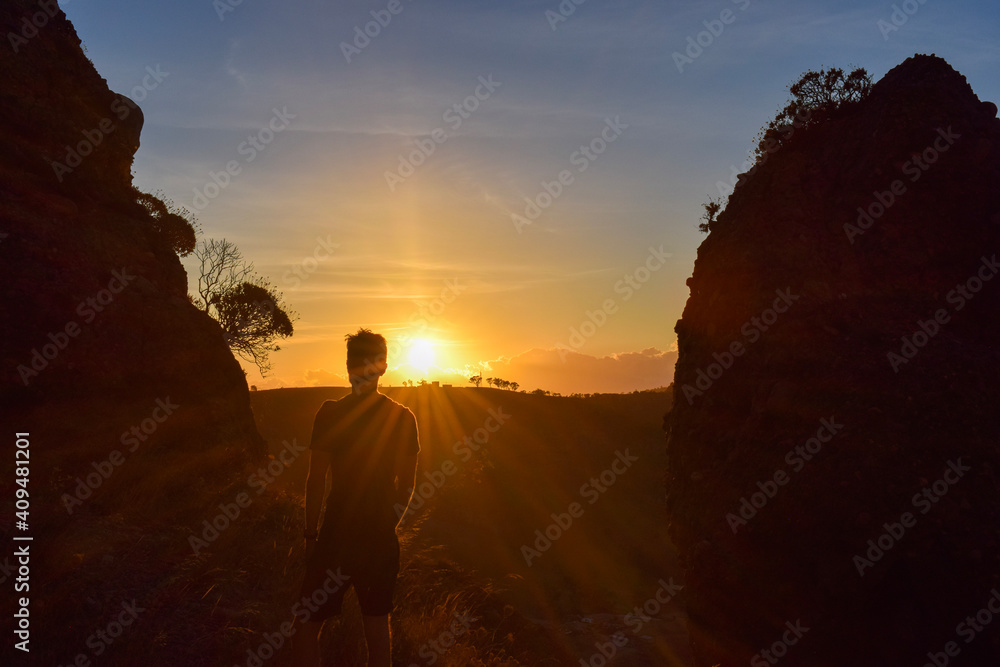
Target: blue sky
[{"x": 323, "y": 176}]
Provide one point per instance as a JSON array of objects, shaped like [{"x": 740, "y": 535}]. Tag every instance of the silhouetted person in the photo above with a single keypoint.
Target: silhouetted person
[{"x": 368, "y": 443}]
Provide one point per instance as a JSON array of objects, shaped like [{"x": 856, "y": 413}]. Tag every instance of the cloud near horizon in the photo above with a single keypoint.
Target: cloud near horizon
[{"x": 557, "y": 370}]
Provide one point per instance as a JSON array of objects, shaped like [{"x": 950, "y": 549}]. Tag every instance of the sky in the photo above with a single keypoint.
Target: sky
[{"x": 508, "y": 187}]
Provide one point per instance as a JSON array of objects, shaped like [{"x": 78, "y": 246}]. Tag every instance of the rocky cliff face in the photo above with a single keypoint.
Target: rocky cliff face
[
  {"x": 834, "y": 449},
  {"x": 95, "y": 299}
]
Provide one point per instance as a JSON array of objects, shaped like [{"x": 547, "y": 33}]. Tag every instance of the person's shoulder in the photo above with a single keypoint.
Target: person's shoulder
[
  {"x": 332, "y": 407},
  {"x": 395, "y": 406}
]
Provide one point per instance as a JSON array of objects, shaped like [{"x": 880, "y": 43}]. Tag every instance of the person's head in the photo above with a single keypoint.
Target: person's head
[{"x": 366, "y": 354}]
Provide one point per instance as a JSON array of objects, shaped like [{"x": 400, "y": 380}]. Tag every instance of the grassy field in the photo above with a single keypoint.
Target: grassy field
[
  {"x": 132, "y": 540},
  {"x": 470, "y": 546}
]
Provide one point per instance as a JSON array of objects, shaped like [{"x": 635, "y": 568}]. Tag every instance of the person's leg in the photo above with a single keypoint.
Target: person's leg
[
  {"x": 306, "y": 643},
  {"x": 379, "y": 640},
  {"x": 375, "y": 582}
]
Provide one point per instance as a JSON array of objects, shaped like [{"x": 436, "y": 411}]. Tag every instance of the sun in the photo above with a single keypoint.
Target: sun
[{"x": 422, "y": 355}]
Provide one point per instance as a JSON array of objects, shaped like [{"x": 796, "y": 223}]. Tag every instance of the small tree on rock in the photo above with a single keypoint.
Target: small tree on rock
[
  {"x": 251, "y": 311},
  {"x": 814, "y": 97},
  {"x": 174, "y": 223}
]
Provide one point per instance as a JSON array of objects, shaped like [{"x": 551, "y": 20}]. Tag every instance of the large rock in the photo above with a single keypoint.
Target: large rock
[
  {"x": 889, "y": 427},
  {"x": 72, "y": 229}
]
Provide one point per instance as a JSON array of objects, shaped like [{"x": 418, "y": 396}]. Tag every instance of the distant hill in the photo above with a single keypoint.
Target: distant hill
[{"x": 851, "y": 278}]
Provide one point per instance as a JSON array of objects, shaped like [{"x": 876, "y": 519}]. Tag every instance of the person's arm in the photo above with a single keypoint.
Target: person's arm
[
  {"x": 319, "y": 463},
  {"x": 406, "y": 469},
  {"x": 406, "y": 472}
]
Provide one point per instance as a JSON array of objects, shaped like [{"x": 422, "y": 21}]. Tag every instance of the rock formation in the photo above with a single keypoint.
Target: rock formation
[
  {"x": 95, "y": 299},
  {"x": 833, "y": 454}
]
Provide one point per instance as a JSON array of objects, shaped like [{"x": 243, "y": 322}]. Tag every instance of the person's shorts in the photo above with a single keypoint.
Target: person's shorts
[{"x": 370, "y": 566}]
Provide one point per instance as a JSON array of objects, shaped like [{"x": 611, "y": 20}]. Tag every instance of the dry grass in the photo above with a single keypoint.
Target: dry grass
[{"x": 460, "y": 558}]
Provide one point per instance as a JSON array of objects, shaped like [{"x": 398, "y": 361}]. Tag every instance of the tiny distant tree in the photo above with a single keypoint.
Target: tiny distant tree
[
  {"x": 423, "y": 383},
  {"x": 476, "y": 380},
  {"x": 514, "y": 386},
  {"x": 712, "y": 208},
  {"x": 489, "y": 381}
]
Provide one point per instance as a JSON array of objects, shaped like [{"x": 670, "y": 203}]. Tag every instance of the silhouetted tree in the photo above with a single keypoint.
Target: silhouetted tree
[
  {"x": 814, "y": 97},
  {"x": 712, "y": 208},
  {"x": 251, "y": 311},
  {"x": 514, "y": 386},
  {"x": 476, "y": 380},
  {"x": 253, "y": 320},
  {"x": 174, "y": 223},
  {"x": 221, "y": 268},
  {"x": 489, "y": 381}
]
